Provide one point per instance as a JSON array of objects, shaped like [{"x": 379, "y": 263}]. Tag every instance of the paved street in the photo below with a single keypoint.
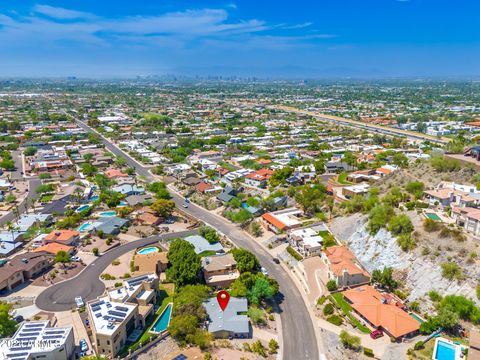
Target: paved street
[
  {"x": 33, "y": 184},
  {"x": 299, "y": 340},
  {"x": 87, "y": 284}
]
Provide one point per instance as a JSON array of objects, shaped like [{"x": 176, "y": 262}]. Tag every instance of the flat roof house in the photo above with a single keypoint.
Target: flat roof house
[
  {"x": 282, "y": 220},
  {"x": 382, "y": 311},
  {"x": 109, "y": 225},
  {"x": 223, "y": 324},
  {"x": 115, "y": 315},
  {"x": 307, "y": 241},
  {"x": 343, "y": 267},
  {"x": 44, "y": 342}
]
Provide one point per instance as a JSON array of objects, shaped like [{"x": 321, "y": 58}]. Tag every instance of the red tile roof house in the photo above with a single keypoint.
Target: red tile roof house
[
  {"x": 203, "y": 187},
  {"x": 344, "y": 267},
  {"x": 114, "y": 173},
  {"x": 382, "y": 311},
  {"x": 258, "y": 178},
  {"x": 64, "y": 237},
  {"x": 467, "y": 218}
]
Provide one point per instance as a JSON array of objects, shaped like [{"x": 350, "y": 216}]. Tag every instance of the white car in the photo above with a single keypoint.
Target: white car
[
  {"x": 79, "y": 302},
  {"x": 75, "y": 259},
  {"x": 185, "y": 205},
  {"x": 264, "y": 271}
]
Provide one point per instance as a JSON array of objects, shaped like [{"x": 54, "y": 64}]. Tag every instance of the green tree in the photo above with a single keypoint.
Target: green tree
[
  {"x": 255, "y": 315},
  {"x": 273, "y": 346},
  {"x": 246, "y": 260},
  {"x": 45, "y": 188},
  {"x": 185, "y": 263},
  {"x": 310, "y": 198},
  {"x": 95, "y": 251},
  {"x": 182, "y": 326},
  {"x": 209, "y": 233},
  {"x": 62, "y": 257},
  {"x": 163, "y": 207},
  {"x": 332, "y": 285},
  {"x": 400, "y": 224},
  {"x": 30, "y": 151},
  {"x": 349, "y": 341},
  {"x": 384, "y": 278},
  {"x": 261, "y": 290},
  {"x": 88, "y": 169},
  {"x": 280, "y": 175},
  {"x": 8, "y": 326},
  {"x": 378, "y": 218},
  {"x": 7, "y": 164}
]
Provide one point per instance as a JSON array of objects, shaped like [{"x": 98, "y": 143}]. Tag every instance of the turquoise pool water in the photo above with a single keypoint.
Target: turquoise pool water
[
  {"x": 433, "y": 216},
  {"x": 445, "y": 351},
  {"x": 148, "y": 250},
  {"x": 162, "y": 322},
  {"x": 84, "y": 227},
  {"x": 416, "y": 317},
  {"x": 83, "y": 207},
  {"x": 108, "y": 213},
  {"x": 122, "y": 203},
  {"x": 94, "y": 197}
]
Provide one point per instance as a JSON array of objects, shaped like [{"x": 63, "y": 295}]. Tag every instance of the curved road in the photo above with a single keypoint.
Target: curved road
[
  {"x": 61, "y": 296},
  {"x": 298, "y": 333}
]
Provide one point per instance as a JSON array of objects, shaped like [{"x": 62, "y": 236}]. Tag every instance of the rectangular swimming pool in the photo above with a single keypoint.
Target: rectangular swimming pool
[
  {"x": 445, "y": 351},
  {"x": 433, "y": 216}
]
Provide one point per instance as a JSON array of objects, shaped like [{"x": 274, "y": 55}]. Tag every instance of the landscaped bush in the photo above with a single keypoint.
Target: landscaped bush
[
  {"x": 332, "y": 285},
  {"x": 368, "y": 352},
  {"x": 321, "y": 300},
  {"x": 328, "y": 310},
  {"x": 419, "y": 345},
  {"x": 335, "y": 320}
]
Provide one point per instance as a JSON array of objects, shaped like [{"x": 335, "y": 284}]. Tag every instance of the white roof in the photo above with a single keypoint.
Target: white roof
[{"x": 106, "y": 314}]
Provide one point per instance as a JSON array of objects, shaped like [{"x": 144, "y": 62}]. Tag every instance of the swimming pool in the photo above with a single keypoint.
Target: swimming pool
[
  {"x": 148, "y": 250},
  {"x": 444, "y": 350},
  {"x": 84, "y": 227},
  {"x": 107, "y": 213},
  {"x": 433, "y": 216},
  {"x": 83, "y": 207},
  {"x": 416, "y": 317},
  {"x": 162, "y": 322},
  {"x": 94, "y": 197}
]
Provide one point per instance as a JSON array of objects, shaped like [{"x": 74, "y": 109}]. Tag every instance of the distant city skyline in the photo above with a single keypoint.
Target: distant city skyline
[{"x": 302, "y": 39}]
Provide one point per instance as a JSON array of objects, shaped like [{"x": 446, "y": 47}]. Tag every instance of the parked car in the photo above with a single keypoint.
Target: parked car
[
  {"x": 18, "y": 319},
  {"x": 75, "y": 258},
  {"x": 264, "y": 271},
  {"x": 79, "y": 302},
  {"x": 185, "y": 205},
  {"x": 276, "y": 261},
  {"x": 83, "y": 345},
  {"x": 376, "y": 334}
]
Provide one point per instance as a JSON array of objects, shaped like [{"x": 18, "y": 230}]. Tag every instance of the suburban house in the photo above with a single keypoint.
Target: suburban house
[
  {"x": 382, "y": 311},
  {"x": 114, "y": 173},
  {"x": 228, "y": 323},
  {"x": 115, "y": 315},
  {"x": 54, "y": 248},
  {"x": 201, "y": 244},
  {"x": 258, "y": 178},
  {"x": 128, "y": 189},
  {"x": 343, "y": 267},
  {"x": 110, "y": 225},
  {"x": 146, "y": 216},
  {"x": 220, "y": 270},
  {"x": 40, "y": 343},
  {"x": 154, "y": 262},
  {"x": 228, "y": 193},
  {"x": 452, "y": 194},
  {"x": 348, "y": 192},
  {"x": 307, "y": 241},
  {"x": 467, "y": 218},
  {"x": 134, "y": 200},
  {"x": 9, "y": 241},
  {"x": 23, "y": 267},
  {"x": 282, "y": 220},
  {"x": 64, "y": 237}
]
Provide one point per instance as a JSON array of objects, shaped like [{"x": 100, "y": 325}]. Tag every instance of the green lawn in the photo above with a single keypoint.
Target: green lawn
[
  {"x": 338, "y": 300},
  {"x": 207, "y": 253},
  {"x": 165, "y": 297},
  {"x": 342, "y": 178},
  {"x": 46, "y": 198}
]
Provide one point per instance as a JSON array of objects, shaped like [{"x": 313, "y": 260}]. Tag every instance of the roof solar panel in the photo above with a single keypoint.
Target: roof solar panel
[
  {"x": 116, "y": 313},
  {"x": 121, "y": 308},
  {"x": 98, "y": 314}
]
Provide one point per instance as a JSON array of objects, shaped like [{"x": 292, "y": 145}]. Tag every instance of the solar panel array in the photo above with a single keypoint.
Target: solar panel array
[
  {"x": 138, "y": 280},
  {"x": 121, "y": 308}
]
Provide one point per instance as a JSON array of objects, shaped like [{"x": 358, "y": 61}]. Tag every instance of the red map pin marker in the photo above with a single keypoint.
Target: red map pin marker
[{"x": 223, "y": 298}]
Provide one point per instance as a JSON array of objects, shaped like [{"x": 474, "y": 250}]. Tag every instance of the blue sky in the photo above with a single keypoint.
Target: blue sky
[{"x": 309, "y": 39}]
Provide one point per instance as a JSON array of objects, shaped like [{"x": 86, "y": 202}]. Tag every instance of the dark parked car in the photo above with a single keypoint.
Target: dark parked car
[{"x": 276, "y": 261}]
